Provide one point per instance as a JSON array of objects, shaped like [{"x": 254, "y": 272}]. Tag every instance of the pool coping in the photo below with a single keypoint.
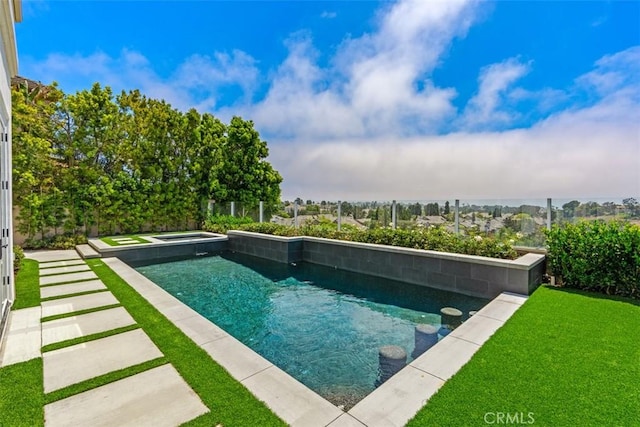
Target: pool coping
[{"x": 394, "y": 403}]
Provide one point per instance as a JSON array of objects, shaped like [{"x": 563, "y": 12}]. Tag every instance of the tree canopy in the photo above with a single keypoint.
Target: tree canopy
[{"x": 127, "y": 163}]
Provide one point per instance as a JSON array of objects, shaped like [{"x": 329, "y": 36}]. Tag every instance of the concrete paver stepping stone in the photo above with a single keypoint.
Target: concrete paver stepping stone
[
  {"x": 71, "y": 288},
  {"x": 22, "y": 339},
  {"x": 77, "y": 303},
  {"x": 63, "y": 270},
  {"x": 65, "y": 278},
  {"x": 62, "y": 263},
  {"x": 85, "y": 324},
  {"x": 158, "y": 397},
  {"x": 49, "y": 256},
  {"x": 77, "y": 363}
]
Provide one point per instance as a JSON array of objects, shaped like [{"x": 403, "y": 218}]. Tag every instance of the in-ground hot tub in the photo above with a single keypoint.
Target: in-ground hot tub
[
  {"x": 165, "y": 246},
  {"x": 183, "y": 237}
]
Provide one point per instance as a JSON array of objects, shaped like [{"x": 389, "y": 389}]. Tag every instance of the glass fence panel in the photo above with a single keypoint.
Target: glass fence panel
[{"x": 520, "y": 222}]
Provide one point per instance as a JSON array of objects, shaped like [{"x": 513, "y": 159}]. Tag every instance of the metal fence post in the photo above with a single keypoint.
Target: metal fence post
[
  {"x": 394, "y": 215},
  {"x": 339, "y": 215},
  {"x": 295, "y": 214},
  {"x": 233, "y": 208},
  {"x": 456, "y": 211},
  {"x": 549, "y": 214},
  {"x": 261, "y": 211}
]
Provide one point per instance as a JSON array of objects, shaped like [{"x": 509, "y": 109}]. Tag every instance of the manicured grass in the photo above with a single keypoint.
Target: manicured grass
[
  {"x": 67, "y": 296},
  {"x": 566, "y": 358},
  {"x": 21, "y": 394},
  {"x": 27, "y": 285},
  {"x": 86, "y": 338},
  {"x": 78, "y": 313},
  {"x": 109, "y": 240},
  {"x": 229, "y": 402}
]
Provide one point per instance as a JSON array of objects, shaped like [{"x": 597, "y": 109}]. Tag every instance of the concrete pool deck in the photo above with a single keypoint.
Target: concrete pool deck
[{"x": 163, "y": 395}]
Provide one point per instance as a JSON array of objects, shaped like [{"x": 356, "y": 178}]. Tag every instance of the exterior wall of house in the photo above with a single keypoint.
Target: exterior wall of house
[{"x": 10, "y": 13}]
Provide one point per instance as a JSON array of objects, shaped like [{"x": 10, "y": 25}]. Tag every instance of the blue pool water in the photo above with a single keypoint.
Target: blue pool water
[{"x": 322, "y": 326}]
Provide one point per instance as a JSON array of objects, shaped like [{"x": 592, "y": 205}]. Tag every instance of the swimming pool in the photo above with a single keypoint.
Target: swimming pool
[{"x": 322, "y": 326}]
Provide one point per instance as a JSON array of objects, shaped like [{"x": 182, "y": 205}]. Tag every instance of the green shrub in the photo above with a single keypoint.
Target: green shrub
[
  {"x": 18, "y": 256},
  {"x": 431, "y": 238},
  {"x": 60, "y": 241},
  {"x": 221, "y": 223},
  {"x": 597, "y": 255},
  {"x": 271, "y": 228}
]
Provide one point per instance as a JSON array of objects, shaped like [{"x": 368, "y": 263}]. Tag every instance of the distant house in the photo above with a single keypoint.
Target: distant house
[{"x": 10, "y": 13}]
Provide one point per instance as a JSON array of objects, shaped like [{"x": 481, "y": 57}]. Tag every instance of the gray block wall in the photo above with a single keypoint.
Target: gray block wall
[
  {"x": 275, "y": 248},
  {"x": 465, "y": 274},
  {"x": 164, "y": 251}
]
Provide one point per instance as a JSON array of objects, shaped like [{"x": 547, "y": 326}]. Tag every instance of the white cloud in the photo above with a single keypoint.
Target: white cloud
[
  {"x": 614, "y": 72},
  {"x": 376, "y": 84},
  {"x": 588, "y": 153},
  {"x": 494, "y": 84},
  {"x": 328, "y": 15},
  {"x": 195, "y": 82}
]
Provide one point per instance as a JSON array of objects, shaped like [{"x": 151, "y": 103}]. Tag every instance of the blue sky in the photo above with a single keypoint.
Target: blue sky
[{"x": 360, "y": 100}]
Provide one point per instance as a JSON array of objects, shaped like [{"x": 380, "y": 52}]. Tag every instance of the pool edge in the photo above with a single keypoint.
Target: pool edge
[{"x": 392, "y": 404}]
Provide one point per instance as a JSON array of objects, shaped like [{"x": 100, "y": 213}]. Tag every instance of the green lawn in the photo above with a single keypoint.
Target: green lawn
[
  {"x": 566, "y": 358},
  {"x": 21, "y": 385},
  {"x": 27, "y": 285},
  {"x": 22, "y": 395}
]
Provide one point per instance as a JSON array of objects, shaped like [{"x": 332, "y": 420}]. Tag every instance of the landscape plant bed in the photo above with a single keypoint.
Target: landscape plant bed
[
  {"x": 430, "y": 238},
  {"x": 565, "y": 358}
]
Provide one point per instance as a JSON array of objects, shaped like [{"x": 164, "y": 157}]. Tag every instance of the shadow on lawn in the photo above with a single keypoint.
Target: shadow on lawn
[{"x": 594, "y": 294}]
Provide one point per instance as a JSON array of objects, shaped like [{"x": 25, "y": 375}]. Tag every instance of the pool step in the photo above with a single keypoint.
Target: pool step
[{"x": 87, "y": 252}]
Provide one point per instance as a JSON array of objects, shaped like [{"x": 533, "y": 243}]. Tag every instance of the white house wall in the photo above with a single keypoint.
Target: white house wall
[{"x": 9, "y": 14}]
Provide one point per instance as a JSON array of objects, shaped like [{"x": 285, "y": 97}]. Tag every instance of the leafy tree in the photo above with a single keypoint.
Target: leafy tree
[
  {"x": 632, "y": 205},
  {"x": 92, "y": 161},
  {"x": 432, "y": 209},
  {"x": 244, "y": 174},
  {"x": 416, "y": 209},
  {"x": 35, "y": 166},
  {"x": 447, "y": 209},
  {"x": 569, "y": 208}
]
